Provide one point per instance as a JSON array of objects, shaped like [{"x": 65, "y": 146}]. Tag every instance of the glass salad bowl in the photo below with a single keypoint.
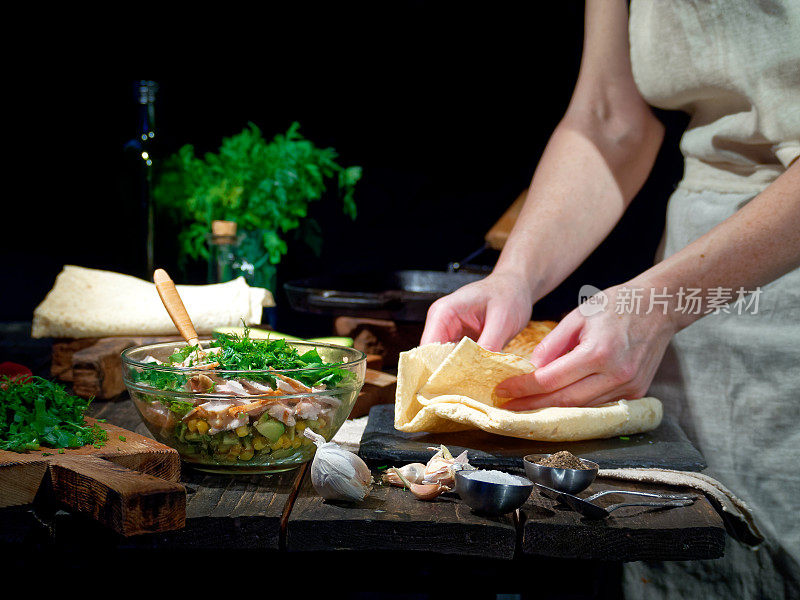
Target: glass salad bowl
[{"x": 238, "y": 405}]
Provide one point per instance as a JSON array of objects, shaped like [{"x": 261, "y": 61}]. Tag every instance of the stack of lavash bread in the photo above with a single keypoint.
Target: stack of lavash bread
[
  {"x": 90, "y": 303},
  {"x": 451, "y": 387}
]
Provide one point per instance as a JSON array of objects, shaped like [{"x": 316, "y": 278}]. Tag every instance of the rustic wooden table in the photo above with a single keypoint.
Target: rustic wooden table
[
  {"x": 400, "y": 543},
  {"x": 283, "y": 513}
]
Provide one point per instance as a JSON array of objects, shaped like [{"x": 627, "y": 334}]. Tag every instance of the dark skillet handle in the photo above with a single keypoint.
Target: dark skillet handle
[{"x": 339, "y": 301}]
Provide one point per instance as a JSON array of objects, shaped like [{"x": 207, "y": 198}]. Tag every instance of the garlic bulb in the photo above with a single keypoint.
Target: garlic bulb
[
  {"x": 414, "y": 472},
  {"x": 337, "y": 474}
]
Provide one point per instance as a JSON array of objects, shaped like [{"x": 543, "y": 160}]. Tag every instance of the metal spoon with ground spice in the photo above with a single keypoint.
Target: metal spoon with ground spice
[{"x": 563, "y": 460}]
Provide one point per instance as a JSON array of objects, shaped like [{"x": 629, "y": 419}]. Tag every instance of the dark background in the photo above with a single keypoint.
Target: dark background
[{"x": 446, "y": 144}]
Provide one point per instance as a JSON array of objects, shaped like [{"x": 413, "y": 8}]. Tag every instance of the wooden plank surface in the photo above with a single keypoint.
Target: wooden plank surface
[
  {"x": 260, "y": 512},
  {"x": 633, "y": 533},
  {"x": 222, "y": 511},
  {"x": 392, "y": 519},
  {"x": 93, "y": 365},
  {"x": 379, "y": 388},
  {"x": 129, "y": 484},
  {"x": 138, "y": 452}
]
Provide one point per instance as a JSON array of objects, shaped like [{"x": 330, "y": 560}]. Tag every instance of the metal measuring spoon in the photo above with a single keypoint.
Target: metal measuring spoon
[{"x": 593, "y": 511}]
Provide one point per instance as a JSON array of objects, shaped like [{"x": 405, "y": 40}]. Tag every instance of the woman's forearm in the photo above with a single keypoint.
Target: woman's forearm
[
  {"x": 582, "y": 185},
  {"x": 754, "y": 246},
  {"x": 597, "y": 159}
]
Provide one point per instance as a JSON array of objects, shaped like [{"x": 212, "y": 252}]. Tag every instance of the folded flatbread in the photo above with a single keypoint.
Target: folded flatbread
[
  {"x": 526, "y": 340},
  {"x": 93, "y": 303},
  {"x": 451, "y": 387}
]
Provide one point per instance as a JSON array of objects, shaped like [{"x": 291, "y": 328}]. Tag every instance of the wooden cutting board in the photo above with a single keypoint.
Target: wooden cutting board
[
  {"x": 130, "y": 484},
  {"x": 93, "y": 365},
  {"x": 665, "y": 447}
]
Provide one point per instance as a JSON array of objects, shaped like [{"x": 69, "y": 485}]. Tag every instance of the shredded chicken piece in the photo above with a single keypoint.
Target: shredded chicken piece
[
  {"x": 233, "y": 387},
  {"x": 306, "y": 409},
  {"x": 205, "y": 366},
  {"x": 247, "y": 408},
  {"x": 216, "y": 413},
  {"x": 282, "y": 413},
  {"x": 200, "y": 383},
  {"x": 329, "y": 401},
  {"x": 258, "y": 389},
  {"x": 287, "y": 384}
]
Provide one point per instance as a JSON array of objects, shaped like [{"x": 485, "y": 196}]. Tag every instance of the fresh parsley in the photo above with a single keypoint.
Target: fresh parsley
[
  {"x": 36, "y": 412},
  {"x": 266, "y": 187},
  {"x": 242, "y": 353}
]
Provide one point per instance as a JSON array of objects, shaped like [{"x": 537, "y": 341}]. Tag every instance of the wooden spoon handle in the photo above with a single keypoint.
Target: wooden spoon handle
[{"x": 174, "y": 305}]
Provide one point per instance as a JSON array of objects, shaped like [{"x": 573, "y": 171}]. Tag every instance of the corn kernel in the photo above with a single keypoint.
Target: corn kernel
[
  {"x": 276, "y": 446},
  {"x": 307, "y": 442},
  {"x": 260, "y": 443},
  {"x": 235, "y": 450},
  {"x": 192, "y": 425},
  {"x": 242, "y": 430},
  {"x": 202, "y": 427},
  {"x": 300, "y": 426},
  {"x": 297, "y": 443},
  {"x": 246, "y": 455}
]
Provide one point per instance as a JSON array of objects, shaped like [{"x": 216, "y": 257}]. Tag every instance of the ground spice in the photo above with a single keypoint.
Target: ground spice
[{"x": 563, "y": 460}]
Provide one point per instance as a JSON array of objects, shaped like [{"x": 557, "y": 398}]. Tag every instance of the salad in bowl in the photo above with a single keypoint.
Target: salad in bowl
[{"x": 236, "y": 404}]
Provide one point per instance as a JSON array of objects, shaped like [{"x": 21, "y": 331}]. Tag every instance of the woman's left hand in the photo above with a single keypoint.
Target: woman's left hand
[{"x": 590, "y": 360}]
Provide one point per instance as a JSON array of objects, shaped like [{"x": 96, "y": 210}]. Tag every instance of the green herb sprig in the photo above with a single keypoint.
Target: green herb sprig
[
  {"x": 36, "y": 412},
  {"x": 242, "y": 353},
  {"x": 265, "y": 187}
]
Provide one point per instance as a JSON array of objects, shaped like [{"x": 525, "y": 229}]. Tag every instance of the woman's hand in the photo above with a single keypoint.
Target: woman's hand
[
  {"x": 490, "y": 311},
  {"x": 590, "y": 360}
]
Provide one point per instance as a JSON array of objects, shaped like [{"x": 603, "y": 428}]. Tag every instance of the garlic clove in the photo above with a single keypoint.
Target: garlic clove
[
  {"x": 421, "y": 491},
  {"x": 440, "y": 468},
  {"x": 414, "y": 472}
]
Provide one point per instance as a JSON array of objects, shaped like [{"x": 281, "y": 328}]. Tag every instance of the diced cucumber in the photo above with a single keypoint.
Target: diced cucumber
[
  {"x": 229, "y": 438},
  {"x": 270, "y": 428}
]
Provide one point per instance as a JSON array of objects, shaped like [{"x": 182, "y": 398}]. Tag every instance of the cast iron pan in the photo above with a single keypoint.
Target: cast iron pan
[{"x": 398, "y": 296}]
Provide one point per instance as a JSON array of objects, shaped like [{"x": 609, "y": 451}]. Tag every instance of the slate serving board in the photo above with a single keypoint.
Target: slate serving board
[{"x": 665, "y": 447}]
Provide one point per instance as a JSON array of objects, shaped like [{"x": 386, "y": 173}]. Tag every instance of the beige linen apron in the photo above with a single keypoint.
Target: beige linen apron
[{"x": 732, "y": 380}]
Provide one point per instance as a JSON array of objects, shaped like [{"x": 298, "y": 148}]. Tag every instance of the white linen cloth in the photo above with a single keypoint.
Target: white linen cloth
[{"x": 732, "y": 381}]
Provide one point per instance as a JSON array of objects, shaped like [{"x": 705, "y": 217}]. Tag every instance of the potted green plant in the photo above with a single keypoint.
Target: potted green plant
[{"x": 265, "y": 187}]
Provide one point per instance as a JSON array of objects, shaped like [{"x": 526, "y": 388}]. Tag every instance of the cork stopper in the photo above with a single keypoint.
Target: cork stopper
[
  {"x": 223, "y": 228},
  {"x": 223, "y": 233}
]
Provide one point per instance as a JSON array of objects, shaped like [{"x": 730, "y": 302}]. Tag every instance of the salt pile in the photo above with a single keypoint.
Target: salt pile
[{"x": 495, "y": 477}]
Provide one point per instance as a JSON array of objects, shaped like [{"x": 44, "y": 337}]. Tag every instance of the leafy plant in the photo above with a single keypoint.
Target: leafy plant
[
  {"x": 36, "y": 412},
  {"x": 265, "y": 187}
]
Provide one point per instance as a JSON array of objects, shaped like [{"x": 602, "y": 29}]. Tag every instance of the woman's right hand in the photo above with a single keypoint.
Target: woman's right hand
[{"x": 490, "y": 311}]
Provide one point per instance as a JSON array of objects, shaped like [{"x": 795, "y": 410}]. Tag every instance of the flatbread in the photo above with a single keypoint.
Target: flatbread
[
  {"x": 526, "y": 340},
  {"x": 417, "y": 366},
  {"x": 446, "y": 387},
  {"x": 95, "y": 303}
]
